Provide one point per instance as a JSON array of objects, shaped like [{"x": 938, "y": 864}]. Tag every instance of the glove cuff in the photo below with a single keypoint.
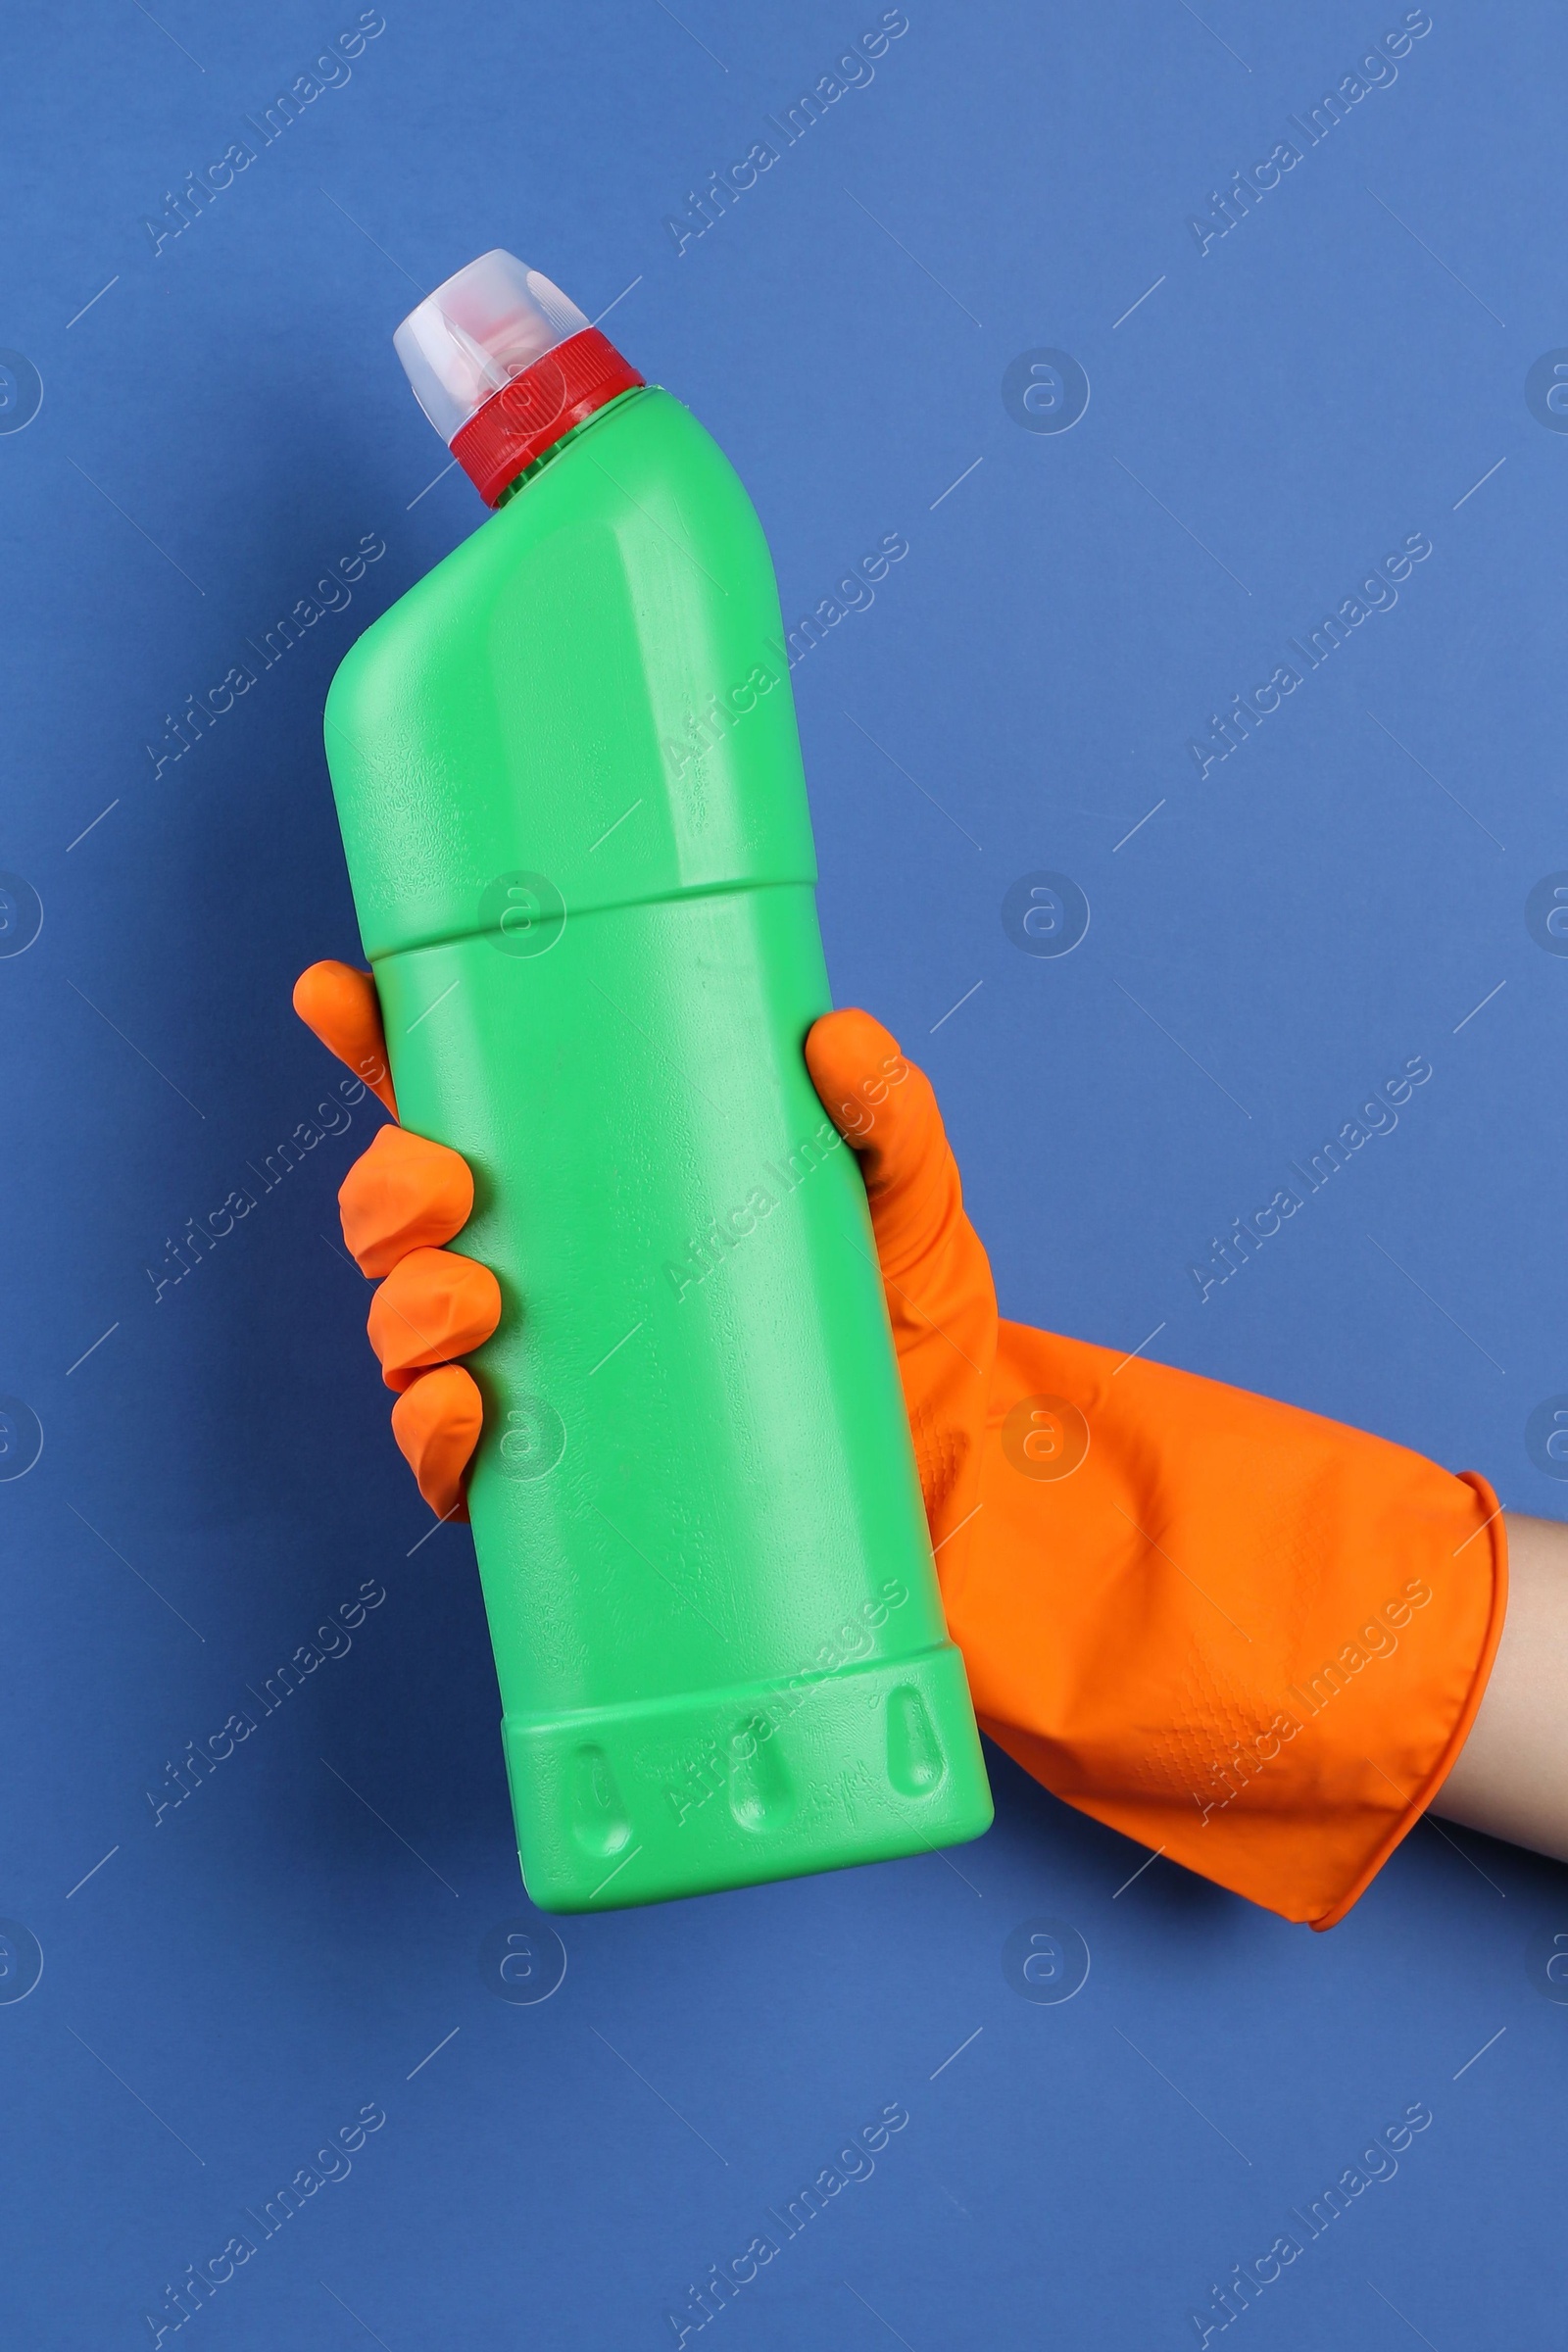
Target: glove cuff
[
  {"x": 1246, "y": 1636},
  {"x": 1489, "y": 1539}
]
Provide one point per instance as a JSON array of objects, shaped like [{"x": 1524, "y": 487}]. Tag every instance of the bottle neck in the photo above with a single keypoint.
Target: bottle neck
[
  {"x": 572, "y": 433},
  {"x": 524, "y": 421}
]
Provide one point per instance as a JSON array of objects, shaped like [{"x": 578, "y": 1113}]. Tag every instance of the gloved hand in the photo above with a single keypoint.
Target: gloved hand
[{"x": 1249, "y": 1638}]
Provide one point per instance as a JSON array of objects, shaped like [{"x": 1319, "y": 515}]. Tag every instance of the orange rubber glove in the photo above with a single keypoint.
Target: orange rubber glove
[{"x": 1249, "y": 1638}]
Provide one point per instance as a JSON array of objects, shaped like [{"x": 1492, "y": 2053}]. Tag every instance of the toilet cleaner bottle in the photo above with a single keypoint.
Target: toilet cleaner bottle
[{"x": 570, "y": 784}]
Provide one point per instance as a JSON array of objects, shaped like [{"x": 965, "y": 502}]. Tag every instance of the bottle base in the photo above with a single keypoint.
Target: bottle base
[{"x": 617, "y": 1806}]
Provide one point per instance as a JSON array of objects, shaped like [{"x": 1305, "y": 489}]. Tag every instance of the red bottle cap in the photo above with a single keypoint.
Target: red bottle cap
[
  {"x": 504, "y": 364},
  {"x": 520, "y": 422}
]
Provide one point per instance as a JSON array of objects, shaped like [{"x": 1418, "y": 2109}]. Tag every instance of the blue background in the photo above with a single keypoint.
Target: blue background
[{"x": 221, "y": 421}]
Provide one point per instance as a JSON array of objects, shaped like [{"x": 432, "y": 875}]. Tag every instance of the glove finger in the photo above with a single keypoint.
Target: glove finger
[
  {"x": 341, "y": 1006},
  {"x": 403, "y": 1192},
  {"x": 433, "y": 1305},
  {"x": 436, "y": 1423}
]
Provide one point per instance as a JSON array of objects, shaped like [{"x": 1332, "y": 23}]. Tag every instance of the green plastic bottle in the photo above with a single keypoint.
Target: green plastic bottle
[{"x": 570, "y": 785}]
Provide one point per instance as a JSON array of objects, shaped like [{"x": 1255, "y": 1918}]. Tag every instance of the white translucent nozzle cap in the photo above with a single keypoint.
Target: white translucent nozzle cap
[{"x": 473, "y": 334}]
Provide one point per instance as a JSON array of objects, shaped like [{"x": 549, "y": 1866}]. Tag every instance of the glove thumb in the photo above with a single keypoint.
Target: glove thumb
[
  {"x": 885, "y": 1110},
  {"x": 942, "y": 1302}
]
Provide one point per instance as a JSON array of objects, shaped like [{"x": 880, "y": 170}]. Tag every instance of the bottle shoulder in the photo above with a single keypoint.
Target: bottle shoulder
[
  {"x": 610, "y": 642},
  {"x": 646, "y": 461}
]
